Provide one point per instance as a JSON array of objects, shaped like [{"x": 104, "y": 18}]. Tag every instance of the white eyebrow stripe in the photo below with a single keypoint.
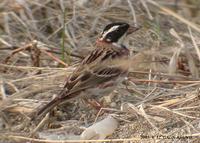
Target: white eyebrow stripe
[{"x": 110, "y": 30}]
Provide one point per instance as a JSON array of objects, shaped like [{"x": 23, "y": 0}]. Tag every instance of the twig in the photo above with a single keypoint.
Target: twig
[
  {"x": 143, "y": 113},
  {"x": 2, "y": 89},
  {"x": 35, "y": 54},
  {"x": 132, "y": 11},
  {"x": 160, "y": 74},
  {"x": 167, "y": 82},
  {"x": 13, "y": 47},
  {"x": 175, "y": 112},
  {"x": 192, "y": 25},
  {"x": 54, "y": 58},
  {"x": 17, "y": 51},
  {"x": 32, "y": 68},
  {"x": 13, "y": 86},
  {"x": 40, "y": 125},
  {"x": 147, "y": 9},
  {"x": 194, "y": 43}
]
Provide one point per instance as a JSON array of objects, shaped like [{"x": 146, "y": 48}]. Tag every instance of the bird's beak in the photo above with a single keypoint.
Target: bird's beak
[{"x": 133, "y": 28}]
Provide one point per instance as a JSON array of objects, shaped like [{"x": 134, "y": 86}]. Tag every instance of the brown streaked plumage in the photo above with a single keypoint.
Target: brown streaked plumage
[{"x": 98, "y": 74}]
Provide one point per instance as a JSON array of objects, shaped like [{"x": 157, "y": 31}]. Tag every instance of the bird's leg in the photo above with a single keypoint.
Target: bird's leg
[{"x": 95, "y": 104}]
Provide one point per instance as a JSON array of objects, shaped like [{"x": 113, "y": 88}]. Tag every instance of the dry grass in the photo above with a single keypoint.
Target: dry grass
[{"x": 160, "y": 101}]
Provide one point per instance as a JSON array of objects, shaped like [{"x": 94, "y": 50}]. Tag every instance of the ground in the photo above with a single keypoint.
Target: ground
[{"x": 42, "y": 42}]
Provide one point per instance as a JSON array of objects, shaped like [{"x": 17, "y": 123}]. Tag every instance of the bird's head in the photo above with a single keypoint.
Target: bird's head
[{"x": 115, "y": 32}]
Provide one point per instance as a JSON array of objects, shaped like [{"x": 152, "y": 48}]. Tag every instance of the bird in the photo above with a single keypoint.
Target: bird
[{"x": 100, "y": 71}]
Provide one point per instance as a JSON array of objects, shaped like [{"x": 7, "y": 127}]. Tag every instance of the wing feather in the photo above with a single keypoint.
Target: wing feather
[
  {"x": 89, "y": 72},
  {"x": 91, "y": 78}
]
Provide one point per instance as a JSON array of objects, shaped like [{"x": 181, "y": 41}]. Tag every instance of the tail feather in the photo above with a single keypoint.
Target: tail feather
[
  {"x": 48, "y": 107},
  {"x": 62, "y": 97}
]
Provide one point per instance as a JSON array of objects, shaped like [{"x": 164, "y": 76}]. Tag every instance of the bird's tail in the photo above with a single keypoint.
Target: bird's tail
[
  {"x": 46, "y": 108},
  {"x": 62, "y": 97}
]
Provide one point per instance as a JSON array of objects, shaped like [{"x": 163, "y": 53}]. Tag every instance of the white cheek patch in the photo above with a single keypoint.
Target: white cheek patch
[{"x": 109, "y": 30}]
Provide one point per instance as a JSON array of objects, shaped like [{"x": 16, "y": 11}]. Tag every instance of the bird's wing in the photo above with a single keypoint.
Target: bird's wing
[
  {"x": 100, "y": 55},
  {"x": 93, "y": 78}
]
